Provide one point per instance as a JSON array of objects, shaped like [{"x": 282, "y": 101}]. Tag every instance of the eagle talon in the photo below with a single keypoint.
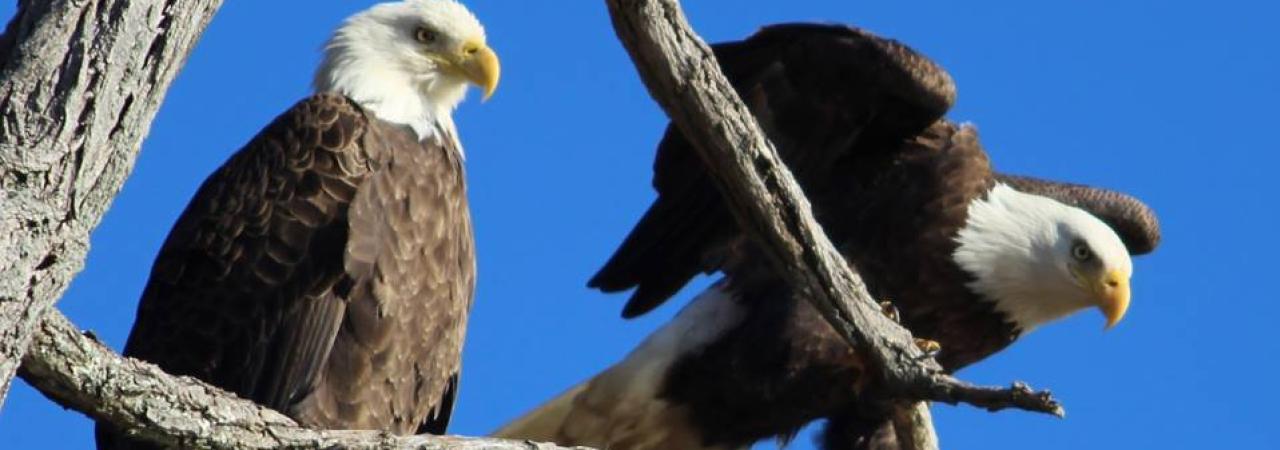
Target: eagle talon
[
  {"x": 929, "y": 347},
  {"x": 890, "y": 311}
]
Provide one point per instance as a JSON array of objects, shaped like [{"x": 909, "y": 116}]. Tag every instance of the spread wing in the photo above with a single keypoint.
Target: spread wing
[
  {"x": 1133, "y": 220},
  {"x": 820, "y": 92}
]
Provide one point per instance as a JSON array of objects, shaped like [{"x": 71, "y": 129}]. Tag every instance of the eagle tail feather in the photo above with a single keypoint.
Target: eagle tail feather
[
  {"x": 623, "y": 407},
  {"x": 544, "y": 422}
]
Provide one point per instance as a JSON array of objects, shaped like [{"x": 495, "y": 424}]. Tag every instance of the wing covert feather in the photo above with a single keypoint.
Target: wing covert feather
[{"x": 240, "y": 293}]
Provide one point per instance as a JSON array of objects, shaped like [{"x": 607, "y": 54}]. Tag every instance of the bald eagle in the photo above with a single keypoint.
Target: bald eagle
[
  {"x": 969, "y": 258},
  {"x": 327, "y": 268}
]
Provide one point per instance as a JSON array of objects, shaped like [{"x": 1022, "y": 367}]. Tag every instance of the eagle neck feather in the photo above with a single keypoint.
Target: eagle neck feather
[
  {"x": 355, "y": 66},
  {"x": 1006, "y": 245}
]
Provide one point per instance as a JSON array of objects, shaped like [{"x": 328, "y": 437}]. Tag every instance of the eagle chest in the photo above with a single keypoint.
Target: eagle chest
[
  {"x": 426, "y": 221},
  {"x": 411, "y": 254},
  {"x": 426, "y": 259}
]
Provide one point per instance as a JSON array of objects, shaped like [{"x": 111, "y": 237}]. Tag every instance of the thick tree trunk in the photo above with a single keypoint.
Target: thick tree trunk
[{"x": 79, "y": 86}]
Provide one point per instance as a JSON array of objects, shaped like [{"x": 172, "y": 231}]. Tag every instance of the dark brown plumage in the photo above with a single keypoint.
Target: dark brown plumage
[
  {"x": 325, "y": 270},
  {"x": 858, "y": 120},
  {"x": 784, "y": 73},
  {"x": 784, "y": 355}
]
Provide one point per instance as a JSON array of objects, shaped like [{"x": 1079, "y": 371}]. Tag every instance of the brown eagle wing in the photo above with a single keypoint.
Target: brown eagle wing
[
  {"x": 254, "y": 289},
  {"x": 244, "y": 293},
  {"x": 820, "y": 91}
]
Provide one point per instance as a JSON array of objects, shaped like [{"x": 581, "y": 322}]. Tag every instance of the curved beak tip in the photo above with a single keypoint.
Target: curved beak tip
[
  {"x": 488, "y": 91},
  {"x": 1114, "y": 298},
  {"x": 486, "y": 72},
  {"x": 1112, "y": 321}
]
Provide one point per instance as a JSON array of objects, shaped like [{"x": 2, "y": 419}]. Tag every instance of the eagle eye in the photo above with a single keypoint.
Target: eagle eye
[
  {"x": 425, "y": 35},
  {"x": 1081, "y": 252}
]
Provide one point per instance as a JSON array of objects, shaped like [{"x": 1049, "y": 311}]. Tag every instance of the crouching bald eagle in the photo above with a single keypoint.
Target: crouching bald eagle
[
  {"x": 327, "y": 268},
  {"x": 970, "y": 258}
]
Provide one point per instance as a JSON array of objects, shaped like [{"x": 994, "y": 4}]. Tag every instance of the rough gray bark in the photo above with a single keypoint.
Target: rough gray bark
[
  {"x": 682, "y": 75},
  {"x": 79, "y": 84},
  {"x": 80, "y": 373}
]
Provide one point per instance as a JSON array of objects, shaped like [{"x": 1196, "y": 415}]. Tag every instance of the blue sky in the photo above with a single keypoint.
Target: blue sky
[{"x": 1171, "y": 101}]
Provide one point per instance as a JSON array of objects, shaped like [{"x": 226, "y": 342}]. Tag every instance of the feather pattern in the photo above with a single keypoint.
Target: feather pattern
[{"x": 325, "y": 271}]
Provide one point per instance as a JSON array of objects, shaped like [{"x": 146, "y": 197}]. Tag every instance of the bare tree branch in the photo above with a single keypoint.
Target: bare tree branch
[
  {"x": 681, "y": 73},
  {"x": 80, "y": 82},
  {"x": 80, "y": 373}
]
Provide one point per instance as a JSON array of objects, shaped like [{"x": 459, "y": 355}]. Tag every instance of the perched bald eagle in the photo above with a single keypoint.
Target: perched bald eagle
[
  {"x": 327, "y": 268},
  {"x": 970, "y": 258}
]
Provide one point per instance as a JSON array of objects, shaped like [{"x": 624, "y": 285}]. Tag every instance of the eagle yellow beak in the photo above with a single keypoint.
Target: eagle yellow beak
[
  {"x": 476, "y": 62},
  {"x": 1112, "y": 293}
]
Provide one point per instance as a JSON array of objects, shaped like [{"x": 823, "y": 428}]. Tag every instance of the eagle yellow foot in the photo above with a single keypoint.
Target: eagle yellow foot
[
  {"x": 928, "y": 346},
  {"x": 890, "y": 311}
]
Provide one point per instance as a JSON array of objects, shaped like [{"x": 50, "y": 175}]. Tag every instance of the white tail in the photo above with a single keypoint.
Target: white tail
[
  {"x": 621, "y": 408},
  {"x": 543, "y": 423}
]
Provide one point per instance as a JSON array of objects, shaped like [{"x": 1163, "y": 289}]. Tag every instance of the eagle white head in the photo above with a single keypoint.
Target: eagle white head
[
  {"x": 1040, "y": 260},
  {"x": 410, "y": 62}
]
